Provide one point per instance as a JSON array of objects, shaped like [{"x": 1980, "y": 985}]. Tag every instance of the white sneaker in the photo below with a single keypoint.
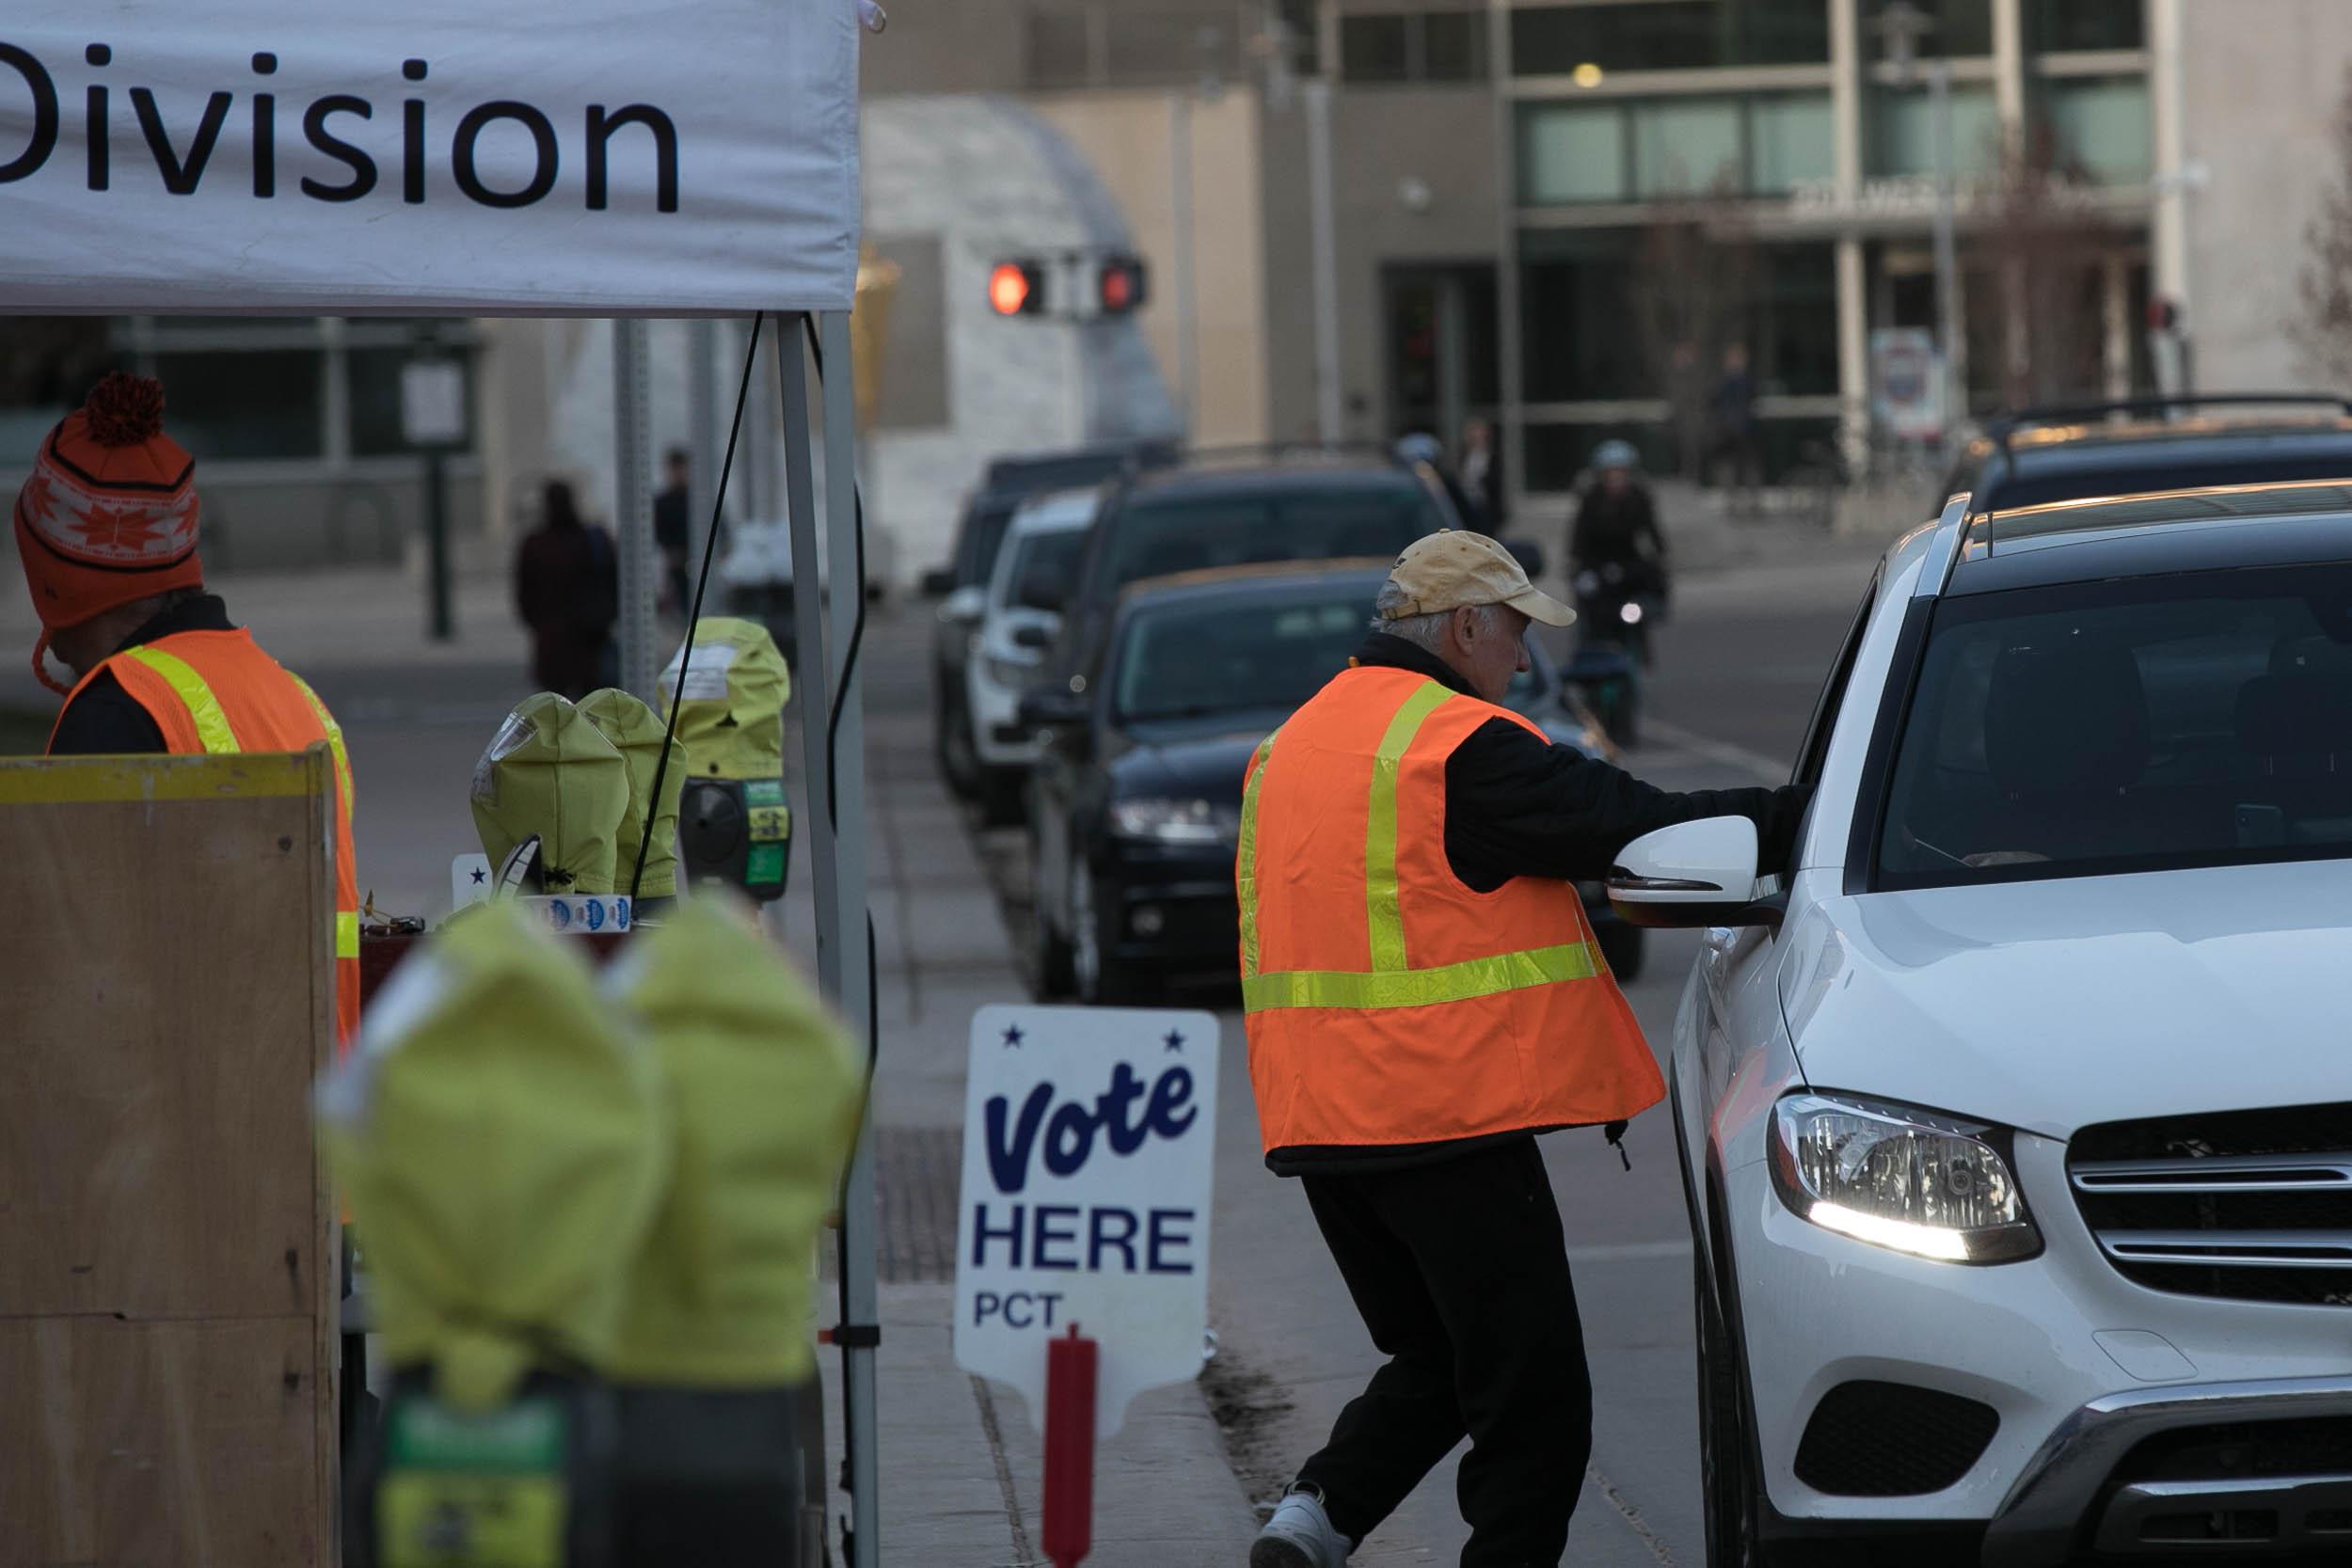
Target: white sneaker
[{"x": 1299, "y": 1536}]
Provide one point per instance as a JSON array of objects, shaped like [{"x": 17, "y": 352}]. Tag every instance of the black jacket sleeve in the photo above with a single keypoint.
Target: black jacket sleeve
[
  {"x": 1520, "y": 807},
  {"x": 104, "y": 720}
]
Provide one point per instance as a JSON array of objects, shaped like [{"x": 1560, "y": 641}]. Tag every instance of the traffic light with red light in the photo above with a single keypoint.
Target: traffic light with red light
[
  {"x": 1017, "y": 289},
  {"x": 1120, "y": 285}
]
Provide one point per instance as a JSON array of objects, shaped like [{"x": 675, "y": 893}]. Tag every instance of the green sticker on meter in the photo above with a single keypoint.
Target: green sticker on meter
[
  {"x": 472, "y": 1491},
  {"x": 770, "y": 818}
]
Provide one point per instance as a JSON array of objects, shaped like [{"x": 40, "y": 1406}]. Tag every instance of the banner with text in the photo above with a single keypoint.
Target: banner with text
[
  {"x": 595, "y": 157},
  {"x": 1090, "y": 1158}
]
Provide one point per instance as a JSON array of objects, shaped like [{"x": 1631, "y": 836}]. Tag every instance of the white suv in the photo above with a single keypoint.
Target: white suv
[
  {"x": 2017, "y": 1109},
  {"x": 1020, "y": 614}
]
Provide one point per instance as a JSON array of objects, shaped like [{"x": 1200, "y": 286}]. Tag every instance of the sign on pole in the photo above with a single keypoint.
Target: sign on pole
[
  {"x": 1906, "y": 383},
  {"x": 1090, "y": 1145},
  {"x": 433, "y": 403}
]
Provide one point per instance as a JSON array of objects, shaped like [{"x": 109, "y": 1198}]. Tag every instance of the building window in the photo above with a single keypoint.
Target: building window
[
  {"x": 1060, "y": 49},
  {"x": 1572, "y": 153},
  {"x": 1795, "y": 341},
  {"x": 1453, "y": 47},
  {"x": 1558, "y": 455},
  {"x": 1960, "y": 28},
  {"x": 1686, "y": 147},
  {"x": 2057, "y": 25},
  {"x": 1432, "y": 46},
  {"x": 1580, "y": 337},
  {"x": 1903, "y": 130},
  {"x": 227, "y": 403},
  {"x": 1668, "y": 34},
  {"x": 1372, "y": 49},
  {"x": 2101, "y": 123},
  {"x": 1305, "y": 37},
  {"x": 1791, "y": 137},
  {"x": 1760, "y": 144}
]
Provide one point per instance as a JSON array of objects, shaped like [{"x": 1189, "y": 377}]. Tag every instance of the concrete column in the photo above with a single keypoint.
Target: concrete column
[
  {"x": 1853, "y": 353},
  {"x": 2008, "y": 67},
  {"x": 1509, "y": 309},
  {"x": 1854, "y": 303},
  {"x": 2169, "y": 130},
  {"x": 1845, "y": 94},
  {"x": 2116, "y": 296}
]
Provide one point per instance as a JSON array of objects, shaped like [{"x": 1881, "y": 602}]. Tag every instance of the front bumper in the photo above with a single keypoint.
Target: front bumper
[
  {"x": 2082, "y": 1492},
  {"x": 2078, "y": 1363}
]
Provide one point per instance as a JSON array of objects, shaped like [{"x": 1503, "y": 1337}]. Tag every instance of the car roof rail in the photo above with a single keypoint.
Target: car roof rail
[
  {"x": 1243, "y": 450},
  {"x": 2001, "y": 426},
  {"x": 1952, "y": 529}
]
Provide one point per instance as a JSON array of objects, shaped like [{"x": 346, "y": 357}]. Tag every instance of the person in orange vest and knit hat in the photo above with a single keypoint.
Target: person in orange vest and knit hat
[
  {"x": 107, "y": 526},
  {"x": 1423, "y": 995}
]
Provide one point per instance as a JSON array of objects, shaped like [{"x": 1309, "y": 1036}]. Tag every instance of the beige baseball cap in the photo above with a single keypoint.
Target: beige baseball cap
[{"x": 1454, "y": 567}]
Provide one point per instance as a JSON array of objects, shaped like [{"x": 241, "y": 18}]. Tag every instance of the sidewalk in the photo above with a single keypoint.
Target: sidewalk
[{"x": 961, "y": 1462}]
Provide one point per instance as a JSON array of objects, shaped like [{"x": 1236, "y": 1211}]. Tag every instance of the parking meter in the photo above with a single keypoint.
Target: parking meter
[{"x": 734, "y": 823}]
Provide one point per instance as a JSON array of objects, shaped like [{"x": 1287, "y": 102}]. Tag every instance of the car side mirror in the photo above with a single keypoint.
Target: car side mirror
[
  {"x": 939, "y": 582},
  {"x": 1050, "y": 707},
  {"x": 966, "y": 603},
  {"x": 1528, "y": 554},
  {"x": 1044, "y": 588},
  {"x": 1032, "y": 636},
  {"x": 1701, "y": 873}
]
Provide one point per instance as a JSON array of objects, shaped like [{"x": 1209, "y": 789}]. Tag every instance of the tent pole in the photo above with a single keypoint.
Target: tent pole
[
  {"x": 632, "y": 506},
  {"x": 837, "y": 854},
  {"x": 704, "y": 439}
]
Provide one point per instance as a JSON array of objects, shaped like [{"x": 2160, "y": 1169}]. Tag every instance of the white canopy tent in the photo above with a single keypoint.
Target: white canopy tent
[{"x": 442, "y": 157}]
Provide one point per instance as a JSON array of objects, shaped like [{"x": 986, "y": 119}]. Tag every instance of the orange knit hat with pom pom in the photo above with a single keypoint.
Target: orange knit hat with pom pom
[{"x": 109, "y": 512}]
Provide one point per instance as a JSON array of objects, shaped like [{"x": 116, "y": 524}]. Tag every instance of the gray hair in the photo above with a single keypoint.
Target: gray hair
[{"x": 1423, "y": 631}]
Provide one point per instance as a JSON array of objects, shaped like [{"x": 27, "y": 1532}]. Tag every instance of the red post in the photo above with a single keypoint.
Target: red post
[{"x": 1070, "y": 1363}]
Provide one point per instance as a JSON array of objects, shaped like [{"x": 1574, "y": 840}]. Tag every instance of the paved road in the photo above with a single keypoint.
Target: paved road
[{"x": 1738, "y": 669}]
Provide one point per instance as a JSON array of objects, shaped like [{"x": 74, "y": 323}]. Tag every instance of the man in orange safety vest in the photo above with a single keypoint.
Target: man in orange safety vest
[
  {"x": 1423, "y": 995},
  {"x": 107, "y": 529}
]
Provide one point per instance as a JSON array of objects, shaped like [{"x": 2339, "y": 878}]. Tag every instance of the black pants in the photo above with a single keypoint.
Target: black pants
[{"x": 1460, "y": 1272}]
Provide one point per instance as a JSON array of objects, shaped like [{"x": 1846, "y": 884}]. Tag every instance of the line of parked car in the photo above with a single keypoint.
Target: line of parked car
[{"x": 1118, "y": 630}]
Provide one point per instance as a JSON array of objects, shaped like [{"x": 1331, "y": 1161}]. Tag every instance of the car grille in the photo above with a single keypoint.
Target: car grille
[
  {"x": 1892, "y": 1440},
  {"x": 2251, "y": 1205}
]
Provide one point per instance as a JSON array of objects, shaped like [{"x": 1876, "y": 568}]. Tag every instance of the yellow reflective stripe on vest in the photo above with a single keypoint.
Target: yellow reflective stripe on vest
[
  {"x": 211, "y": 725},
  {"x": 1245, "y": 858},
  {"x": 1391, "y": 982},
  {"x": 346, "y": 933},
  {"x": 1420, "y": 988},
  {"x": 335, "y": 744},
  {"x": 1381, "y": 912}
]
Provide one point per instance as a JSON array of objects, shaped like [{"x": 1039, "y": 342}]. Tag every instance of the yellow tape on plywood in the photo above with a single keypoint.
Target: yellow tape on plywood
[{"x": 65, "y": 781}]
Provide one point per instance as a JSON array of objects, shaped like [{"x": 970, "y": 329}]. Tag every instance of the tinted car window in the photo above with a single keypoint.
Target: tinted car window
[
  {"x": 1156, "y": 535},
  {"x": 1195, "y": 659},
  {"x": 1056, "y": 551},
  {"x": 983, "y": 536},
  {"x": 2201, "y": 719}
]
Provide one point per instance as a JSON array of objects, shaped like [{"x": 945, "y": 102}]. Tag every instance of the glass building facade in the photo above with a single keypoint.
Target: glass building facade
[{"x": 1685, "y": 175}]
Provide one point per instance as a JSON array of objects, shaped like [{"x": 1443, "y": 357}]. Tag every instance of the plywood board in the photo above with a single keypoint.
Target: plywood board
[{"x": 167, "y": 1240}]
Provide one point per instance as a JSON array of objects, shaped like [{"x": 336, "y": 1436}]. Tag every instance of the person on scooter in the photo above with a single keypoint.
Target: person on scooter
[{"x": 1616, "y": 524}]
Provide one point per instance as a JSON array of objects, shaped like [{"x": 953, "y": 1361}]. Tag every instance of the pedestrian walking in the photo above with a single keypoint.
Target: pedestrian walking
[
  {"x": 672, "y": 529},
  {"x": 1423, "y": 996},
  {"x": 1731, "y": 414},
  {"x": 1482, "y": 476},
  {"x": 567, "y": 591},
  {"x": 106, "y": 528}
]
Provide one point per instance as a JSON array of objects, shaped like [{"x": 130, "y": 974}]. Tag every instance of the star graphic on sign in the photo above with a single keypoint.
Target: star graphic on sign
[
  {"x": 1013, "y": 1035},
  {"x": 1173, "y": 1040},
  {"x": 480, "y": 876}
]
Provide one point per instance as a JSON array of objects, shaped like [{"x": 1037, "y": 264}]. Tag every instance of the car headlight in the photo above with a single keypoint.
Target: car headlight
[
  {"x": 1171, "y": 821},
  {"x": 1900, "y": 1177}
]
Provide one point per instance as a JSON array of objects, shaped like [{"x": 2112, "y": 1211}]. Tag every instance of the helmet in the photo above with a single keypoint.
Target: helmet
[
  {"x": 1615, "y": 454},
  {"x": 1419, "y": 447}
]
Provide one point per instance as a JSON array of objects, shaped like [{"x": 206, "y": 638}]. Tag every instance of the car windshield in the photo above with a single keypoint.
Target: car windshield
[
  {"x": 983, "y": 536},
  {"x": 1156, "y": 536},
  {"x": 1056, "y": 551},
  {"x": 1191, "y": 660},
  {"x": 2203, "y": 718}
]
